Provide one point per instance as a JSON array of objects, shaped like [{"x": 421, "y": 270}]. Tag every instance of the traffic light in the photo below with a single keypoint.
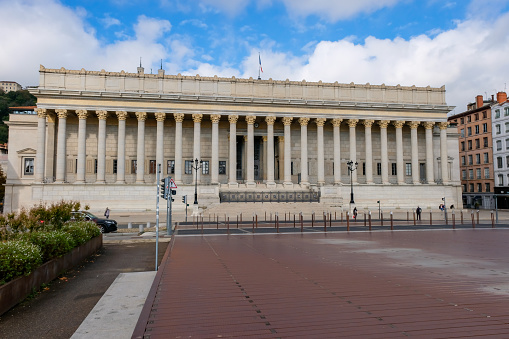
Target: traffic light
[
  {"x": 165, "y": 183},
  {"x": 184, "y": 198},
  {"x": 173, "y": 192}
]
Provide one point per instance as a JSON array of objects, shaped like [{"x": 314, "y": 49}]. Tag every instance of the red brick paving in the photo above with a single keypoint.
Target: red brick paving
[{"x": 422, "y": 284}]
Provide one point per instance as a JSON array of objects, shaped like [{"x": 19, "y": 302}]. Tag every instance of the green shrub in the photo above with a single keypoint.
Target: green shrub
[
  {"x": 82, "y": 231},
  {"x": 17, "y": 258},
  {"x": 52, "y": 244}
]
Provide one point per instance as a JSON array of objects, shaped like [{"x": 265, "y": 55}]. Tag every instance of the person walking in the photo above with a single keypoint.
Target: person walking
[
  {"x": 355, "y": 213},
  {"x": 107, "y": 213},
  {"x": 418, "y": 212}
]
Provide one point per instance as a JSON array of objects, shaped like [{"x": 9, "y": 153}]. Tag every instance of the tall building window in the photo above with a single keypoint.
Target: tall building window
[
  {"x": 470, "y": 161},
  {"x": 134, "y": 166},
  {"x": 485, "y": 128},
  {"x": 484, "y": 115},
  {"x": 479, "y": 187},
  {"x": 394, "y": 169},
  {"x": 488, "y": 188},
  {"x": 497, "y": 129},
  {"x": 486, "y": 172},
  {"x": 464, "y": 174},
  {"x": 506, "y": 111},
  {"x": 469, "y": 131},
  {"x": 500, "y": 180},
  {"x": 476, "y": 129},
  {"x": 115, "y": 166},
  {"x": 477, "y": 143},
  {"x": 152, "y": 167},
  {"x": 170, "y": 167},
  {"x": 507, "y": 161},
  {"x": 363, "y": 168},
  {"x": 486, "y": 158},
  {"x": 222, "y": 167},
  {"x": 471, "y": 187},
  {"x": 497, "y": 114},
  {"x": 463, "y": 161},
  {"x": 378, "y": 169},
  {"x": 476, "y": 115},
  {"x": 28, "y": 166},
  {"x": 499, "y": 162},
  {"x": 507, "y": 127},
  {"x": 485, "y": 141},
  {"x": 463, "y": 146},
  {"x": 95, "y": 165},
  {"x": 478, "y": 173},
  {"x": 506, "y": 143},
  {"x": 464, "y": 187},
  {"x": 471, "y": 174},
  {"x": 478, "y": 159},
  {"x": 462, "y": 132},
  {"x": 205, "y": 167},
  {"x": 469, "y": 144},
  {"x": 499, "y": 145},
  {"x": 408, "y": 169},
  {"x": 187, "y": 167},
  {"x": 462, "y": 121}
]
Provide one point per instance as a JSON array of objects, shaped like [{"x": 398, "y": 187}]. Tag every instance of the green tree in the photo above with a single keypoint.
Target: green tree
[{"x": 12, "y": 99}]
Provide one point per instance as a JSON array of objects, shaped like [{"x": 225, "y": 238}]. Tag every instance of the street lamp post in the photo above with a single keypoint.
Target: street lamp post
[
  {"x": 196, "y": 167},
  {"x": 351, "y": 167}
]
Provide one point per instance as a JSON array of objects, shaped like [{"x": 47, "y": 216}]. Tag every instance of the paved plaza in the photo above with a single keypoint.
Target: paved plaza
[{"x": 385, "y": 284}]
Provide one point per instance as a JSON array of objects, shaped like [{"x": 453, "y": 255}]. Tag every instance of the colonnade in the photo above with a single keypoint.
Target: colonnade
[{"x": 287, "y": 121}]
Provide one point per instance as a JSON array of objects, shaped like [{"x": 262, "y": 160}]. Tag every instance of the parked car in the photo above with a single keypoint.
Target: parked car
[{"x": 105, "y": 225}]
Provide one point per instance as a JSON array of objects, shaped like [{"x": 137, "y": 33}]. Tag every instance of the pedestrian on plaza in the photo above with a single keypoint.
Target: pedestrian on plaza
[
  {"x": 355, "y": 213},
  {"x": 107, "y": 213},
  {"x": 418, "y": 212}
]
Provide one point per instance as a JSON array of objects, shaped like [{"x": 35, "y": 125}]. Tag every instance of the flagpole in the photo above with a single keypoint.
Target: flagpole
[{"x": 259, "y": 66}]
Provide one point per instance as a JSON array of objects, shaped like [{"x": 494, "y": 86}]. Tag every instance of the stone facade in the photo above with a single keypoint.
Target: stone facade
[{"x": 99, "y": 136}]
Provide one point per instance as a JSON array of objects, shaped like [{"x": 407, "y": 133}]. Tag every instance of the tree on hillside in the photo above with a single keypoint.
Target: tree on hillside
[{"x": 12, "y": 99}]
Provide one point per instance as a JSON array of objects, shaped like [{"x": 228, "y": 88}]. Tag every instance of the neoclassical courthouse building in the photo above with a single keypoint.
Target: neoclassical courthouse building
[{"x": 98, "y": 137}]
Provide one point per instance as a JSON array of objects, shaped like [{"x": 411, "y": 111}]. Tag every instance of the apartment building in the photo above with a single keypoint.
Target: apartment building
[
  {"x": 8, "y": 86},
  {"x": 500, "y": 132}
]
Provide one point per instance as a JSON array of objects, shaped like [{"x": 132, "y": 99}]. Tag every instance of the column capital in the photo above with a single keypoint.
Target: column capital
[
  {"x": 179, "y": 117},
  {"x": 287, "y": 121},
  {"x": 102, "y": 115},
  {"x": 398, "y": 123},
  {"x": 265, "y": 138},
  {"x": 160, "y": 116},
  {"x": 281, "y": 138},
  {"x": 41, "y": 112},
  {"x": 233, "y": 119},
  {"x": 215, "y": 118},
  {"x": 82, "y": 114},
  {"x": 336, "y": 122},
  {"x": 197, "y": 117},
  {"x": 142, "y": 116},
  {"x": 303, "y": 121},
  {"x": 428, "y": 124},
  {"x": 121, "y": 115},
  {"x": 270, "y": 120},
  {"x": 443, "y": 125},
  {"x": 384, "y": 123},
  {"x": 368, "y": 123},
  {"x": 320, "y": 122},
  {"x": 353, "y": 122},
  {"x": 62, "y": 113},
  {"x": 245, "y": 138},
  {"x": 414, "y": 124},
  {"x": 250, "y": 119}
]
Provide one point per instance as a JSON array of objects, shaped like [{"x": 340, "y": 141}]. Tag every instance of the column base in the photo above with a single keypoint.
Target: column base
[
  {"x": 81, "y": 182},
  {"x": 251, "y": 184},
  {"x": 305, "y": 185},
  {"x": 120, "y": 182},
  {"x": 288, "y": 184},
  {"x": 233, "y": 184},
  {"x": 271, "y": 185}
]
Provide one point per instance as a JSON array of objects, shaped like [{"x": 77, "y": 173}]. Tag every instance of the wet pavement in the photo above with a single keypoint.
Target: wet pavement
[{"x": 439, "y": 283}]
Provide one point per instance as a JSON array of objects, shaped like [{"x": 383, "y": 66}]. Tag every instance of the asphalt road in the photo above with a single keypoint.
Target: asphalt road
[{"x": 58, "y": 311}]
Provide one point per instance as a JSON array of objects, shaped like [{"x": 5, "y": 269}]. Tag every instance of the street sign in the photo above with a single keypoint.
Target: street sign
[{"x": 173, "y": 184}]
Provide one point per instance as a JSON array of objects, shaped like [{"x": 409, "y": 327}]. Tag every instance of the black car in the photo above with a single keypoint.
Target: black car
[{"x": 105, "y": 225}]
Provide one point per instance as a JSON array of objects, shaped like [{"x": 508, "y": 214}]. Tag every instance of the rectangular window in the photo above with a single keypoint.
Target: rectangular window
[
  {"x": 95, "y": 165},
  {"x": 476, "y": 129},
  {"x": 469, "y": 144},
  {"x": 222, "y": 167},
  {"x": 134, "y": 166},
  {"x": 486, "y": 172},
  {"x": 506, "y": 143},
  {"x": 363, "y": 168},
  {"x": 470, "y": 161},
  {"x": 497, "y": 129},
  {"x": 499, "y": 162},
  {"x": 499, "y": 145},
  {"x": 28, "y": 166},
  {"x": 478, "y": 159},
  {"x": 462, "y": 121},
  {"x": 486, "y": 158},
  {"x": 485, "y": 128},
  {"x": 205, "y": 167},
  {"x": 187, "y": 168},
  {"x": 497, "y": 114},
  {"x": 469, "y": 118},
  {"x": 471, "y": 187},
  {"x": 408, "y": 169},
  {"x": 506, "y": 111},
  {"x": 394, "y": 169},
  {"x": 507, "y": 127},
  {"x": 462, "y": 132},
  {"x": 463, "y": 161},
  {"x": 488, "y": 188},
  {"x": 115, "y": 166},
  {"x": 479, "y": 187},
  {"x": 477, "y": 143},
  {"x": 485, "y": 141},
  {"x": 463, "y": 146},
  {"x": 464, "y": 174},
  {"x": 476, "y": 115},
  {"x": 478, "y": 173},
  {"x": 471, "y": 174},
  {"x": 464, "y": 187},
  {"x": 469, "y": 131},
  {"x": 379, "y": 169},
  {"x": 291, "y": 168},
  {"x": 170, "y": 167},
  {"x": 152, "y": 168},
  {"x": 506, "y": 161},
  {"x": 500, "y": 180}
]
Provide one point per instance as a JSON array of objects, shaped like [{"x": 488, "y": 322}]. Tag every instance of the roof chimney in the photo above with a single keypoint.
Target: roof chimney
[
  {"x": 479, "y": 100},
  {"x": 501, "y": 97}
]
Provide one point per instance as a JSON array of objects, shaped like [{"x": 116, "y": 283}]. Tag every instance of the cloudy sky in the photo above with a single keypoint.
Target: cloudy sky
[{"x": 462, "y": 44}]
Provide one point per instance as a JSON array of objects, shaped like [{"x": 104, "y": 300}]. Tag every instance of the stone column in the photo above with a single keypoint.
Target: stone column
[
  {"x": 197, "y": 143},
  {"x": 82, "y": 148},
  {"x": 321, "y": 150},
  {"x": 369, "y": 150},
  {"x": 336, "y": 123},
  {"x": 415, "y": 151},
  {"x": 264, "y": 167},
  {"x": 61, "y": 145},
  {"x": 384, "y": 152},
  {"x": 287, "y": 121},
  {"x": 41, "y": 145},
  {"x": 250, "y": 119},
  {"x": 443, "y": 152},
  {"x": 160, "y": 116},
  {"x": 233, "y": 150},
  {"x": 352, "y": 123},
  {"x": 214, "y": 166},
  {"x": 122, "y": 116},
  {"x": 399, "y": 151},
  {"x": 430, "y": 177},
  {"x": 101, "y": 147},
  {"x": 281, "y": 151},
  {"x": 179, "y": 118},
  {"x": 270, "y": 151},
  {"x": 304, "y": 175},
  {"x": 140, "y": 149}
]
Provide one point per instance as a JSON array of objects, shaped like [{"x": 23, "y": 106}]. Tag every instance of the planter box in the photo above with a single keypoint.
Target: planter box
[{"x": 18, "y": 289}]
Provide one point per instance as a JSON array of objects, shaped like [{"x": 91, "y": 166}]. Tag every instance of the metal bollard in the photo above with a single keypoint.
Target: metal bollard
[
  {"x": 453, "y": 220},
  {"x": 477, "y": 217},
  {"x": 392, "y": 223},
  {"x": 461, "y": 212},
  {"x": 414, "y": 219},
  {"x": 228, "y": 226},
  {"x": 407, "y": 216},
  {"x": 492, "y": 220},
  {"x": 473, "y": 222},
  {"x": 370, "y": 220},
  {"x": 364, "y": 219},
  {"x": 130, "y": 225},
  {"x": 301, "y": 217},
  {"x": 382, "y": 219},
  {"x": 347, "y": 222},
  {"x": 430, "y": 218},
  {"x": 313, "y": 219},
  {"x": 324, "y": 222}
]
